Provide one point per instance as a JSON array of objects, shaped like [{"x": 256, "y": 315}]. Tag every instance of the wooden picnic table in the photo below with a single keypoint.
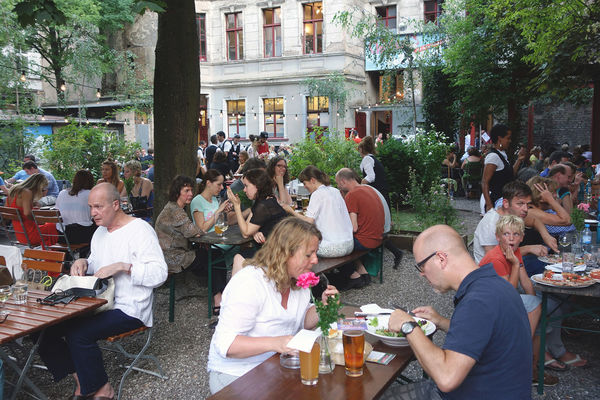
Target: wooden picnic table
[
  {"x": 270, "y": 380},
  {"x": 232, "y": 237},
  {"x": 25, "y": 319}
]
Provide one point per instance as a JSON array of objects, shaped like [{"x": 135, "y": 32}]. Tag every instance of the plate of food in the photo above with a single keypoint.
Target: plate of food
[
  {"x": 565, "y": 279},
  {"x": 557, "y": 259},
  {"x": 595, "y": 274},
  {"x": 558, "y": 268},
  {"x": 378, "y": 328}
]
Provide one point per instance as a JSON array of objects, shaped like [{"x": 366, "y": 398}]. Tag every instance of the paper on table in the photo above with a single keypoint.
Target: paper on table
[
  {"x": 304, "y": 340},
  {"x": 558, "y": 268},
  {"x": 374, "y": 309}
]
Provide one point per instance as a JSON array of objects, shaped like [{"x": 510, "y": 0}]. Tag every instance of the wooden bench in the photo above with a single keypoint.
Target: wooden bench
[{"x": 328, "y": 264}]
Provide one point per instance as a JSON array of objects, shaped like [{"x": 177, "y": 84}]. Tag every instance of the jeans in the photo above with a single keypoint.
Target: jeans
[{"x": 71, "y": 347}]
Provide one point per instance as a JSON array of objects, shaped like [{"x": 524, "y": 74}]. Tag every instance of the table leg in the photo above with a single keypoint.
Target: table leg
[
  {"x": 210, "y": 295},
  {"x": 23, "y": 372},
  {"x": 542, "y": 356}
]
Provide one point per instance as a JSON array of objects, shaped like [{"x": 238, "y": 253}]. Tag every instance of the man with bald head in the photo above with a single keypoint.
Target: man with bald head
[
  {"x": 126, "y": 249},
  {"x": 487, "y": 351}
]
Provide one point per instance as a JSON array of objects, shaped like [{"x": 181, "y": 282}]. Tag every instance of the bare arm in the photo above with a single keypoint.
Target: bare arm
[
  {"x": 567, "y": 203},
  {"x": 354, "y": 220},
  {"x": 245, "y": 346},
  {"x": 513, "y": 277},
  {"x": 549, "y": 240},
  {"x": 526, "y": 282},
  {"x": 488, "y": 172},
  {"x": 284, "y": 196},
  {"x": 291, "y": 211}
]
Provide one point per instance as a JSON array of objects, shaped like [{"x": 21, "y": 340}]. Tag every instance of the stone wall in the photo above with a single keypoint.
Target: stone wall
[{"x": 557, "y": 123}]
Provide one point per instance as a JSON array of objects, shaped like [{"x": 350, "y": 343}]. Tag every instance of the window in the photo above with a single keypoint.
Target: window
[
  {"x": 317, "y": 110},
  {"x": 391, "y": 88},
  {"x": 386, "y": 16},
  {"x": 433, "y": 9},
  {"x": 313, "y": 28},
  {"x": 274, "y": 116},
  {"x": 236, "y": 117},
  {"x": 272, "y": 31},
  {"x": 235, "y": 36},
  {"x": 201, "y": 23}
]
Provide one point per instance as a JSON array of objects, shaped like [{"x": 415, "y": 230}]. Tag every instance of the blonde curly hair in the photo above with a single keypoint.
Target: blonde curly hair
[{"x": 288, "y": 236}]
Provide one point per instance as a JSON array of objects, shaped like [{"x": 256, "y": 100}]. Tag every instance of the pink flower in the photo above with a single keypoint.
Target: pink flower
[
  {"x": 306, "y": 280},
  {"x": 584, "y": 207}
]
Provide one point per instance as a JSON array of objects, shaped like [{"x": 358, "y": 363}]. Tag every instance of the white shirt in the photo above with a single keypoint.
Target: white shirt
[
  {"x": 328, "y": 208},
  {"x": 74, "y": 209},
  {"x": 485, "y": 234},
  {"x": 135, "y": 243},
  {"x": 225, "y": 145},
  {"x": 251, "y": 306},
  {"x": 493, "y": 158},
  {"x": 367, "y": 166},
  {"x": 387, "y": 224}
]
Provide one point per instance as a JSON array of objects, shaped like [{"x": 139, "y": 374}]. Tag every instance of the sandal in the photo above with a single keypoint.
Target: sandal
[
  {"x": 216, "y": 311},
  {"x": 559, "y": 365},
  {"x": 577, "y": 359}
]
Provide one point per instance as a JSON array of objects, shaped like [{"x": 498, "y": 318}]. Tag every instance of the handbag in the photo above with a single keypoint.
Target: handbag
[{"x": 89, "y": 286}]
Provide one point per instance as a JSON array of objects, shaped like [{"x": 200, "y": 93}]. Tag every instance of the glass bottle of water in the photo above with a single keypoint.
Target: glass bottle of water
[{"x": 586, "y": 239}]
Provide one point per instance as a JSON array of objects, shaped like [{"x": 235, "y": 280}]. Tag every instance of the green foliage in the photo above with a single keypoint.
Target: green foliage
[
  {"x": 129, "y": 184},
  {"x": 578, "y": 219},
  {"x": 328, "y": 313},
  {"x": 424, "y": 154},
  {"x": 333, "y": 87},
  {"x": 15, "y": 142},
  {"x": 430, "y": 202},
  {"x": 439, "y": 99},
  {"x": 74, "y": 147},
  {"x": 328, "y": 151}
]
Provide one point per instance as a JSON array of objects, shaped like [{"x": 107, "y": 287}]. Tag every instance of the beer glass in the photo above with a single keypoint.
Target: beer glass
[
  {"x": 354, "y": 347},
  {"x": 309, "y": 365}
]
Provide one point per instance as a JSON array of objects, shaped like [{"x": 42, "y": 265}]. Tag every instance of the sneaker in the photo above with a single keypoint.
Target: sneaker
[
  {"x": 355, "y": 283},
  {"x": 549, "y": 380}
]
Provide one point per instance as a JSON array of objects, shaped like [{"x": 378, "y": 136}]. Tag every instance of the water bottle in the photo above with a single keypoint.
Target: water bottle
[{"x": 586, "y": 239}]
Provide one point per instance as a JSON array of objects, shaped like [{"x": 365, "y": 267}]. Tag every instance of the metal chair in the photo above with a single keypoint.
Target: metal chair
[
  {"x": 53, "y": 216},
  {"x": 113, "y": 344},
  {"x": 9, "y": 216}
]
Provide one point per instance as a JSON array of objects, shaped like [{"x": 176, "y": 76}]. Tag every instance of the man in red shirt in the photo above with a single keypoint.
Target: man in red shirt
[{"x": 367, "y": 216}]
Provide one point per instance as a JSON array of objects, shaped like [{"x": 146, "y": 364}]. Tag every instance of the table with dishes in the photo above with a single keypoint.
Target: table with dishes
[
  {"x": 22, "y": 314},
  {"x": 368, "y": 359},
  {"x": 222, "y": 235},
  {"x": 580, "y": 280}
]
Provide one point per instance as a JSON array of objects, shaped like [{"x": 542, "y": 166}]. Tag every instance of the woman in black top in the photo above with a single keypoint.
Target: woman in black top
[
  {"x": 494, "y": 179},
  {"x": 372, "y": 169},
  {"x": 266, "y": 211},
  {"x": 220, "y": 164}
]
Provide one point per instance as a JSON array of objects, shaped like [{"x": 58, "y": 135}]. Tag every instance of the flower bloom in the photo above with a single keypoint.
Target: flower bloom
[
  {"x": 307, "y": 280},
  {"x": 584, "y": 207}
]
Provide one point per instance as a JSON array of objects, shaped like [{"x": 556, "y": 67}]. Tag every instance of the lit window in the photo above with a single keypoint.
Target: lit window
[
  {"x": 391, "y": 88},
  {"x": 274, "y": 122},
  {"x": 201, "y": 22},
  {"x": 317, "y": 108},
  {"x": 313, "y": 28},
  {"x": 236, "y": 117}
]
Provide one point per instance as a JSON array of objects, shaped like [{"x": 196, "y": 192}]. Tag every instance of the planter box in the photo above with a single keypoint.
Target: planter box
[{"x": 405, "y": 239}]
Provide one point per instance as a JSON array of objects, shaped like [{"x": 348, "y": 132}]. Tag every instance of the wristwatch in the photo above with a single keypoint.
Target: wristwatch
[{"x": 408, "y": 327}]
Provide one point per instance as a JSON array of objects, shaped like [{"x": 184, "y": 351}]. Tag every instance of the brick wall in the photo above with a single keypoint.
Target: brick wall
[{"x": 556, "y": 123}]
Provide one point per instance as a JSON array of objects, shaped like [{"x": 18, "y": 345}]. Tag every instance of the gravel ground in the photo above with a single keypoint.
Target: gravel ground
[{"x": 182, "y": 346}]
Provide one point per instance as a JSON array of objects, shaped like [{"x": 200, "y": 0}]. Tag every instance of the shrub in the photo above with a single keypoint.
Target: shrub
[
  {"x": 424, "y": 154},
  {"x": 328, "y": 151},
  {"x": 432, "y": 205},
  {"x": 74, "y": 147}
]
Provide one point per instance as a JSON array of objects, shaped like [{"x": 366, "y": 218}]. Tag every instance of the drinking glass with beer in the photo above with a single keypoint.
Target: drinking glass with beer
[
  {"x": 354, "y": 347},
  {"x": 221, "y": 225},
  {"x": 309, "y": 365}
]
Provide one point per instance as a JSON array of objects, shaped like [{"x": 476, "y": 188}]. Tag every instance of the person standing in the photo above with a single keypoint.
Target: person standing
[{"x": 210, "y": 150}]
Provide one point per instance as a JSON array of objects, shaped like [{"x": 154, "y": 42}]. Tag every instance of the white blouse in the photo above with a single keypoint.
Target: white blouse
[
  {"x": 74, "y": 209},
  {"x": 251, "y": 306},
  {"x": 328, "y": 208}
]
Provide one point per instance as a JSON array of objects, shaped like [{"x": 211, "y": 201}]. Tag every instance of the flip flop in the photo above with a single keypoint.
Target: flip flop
[
  {"x": 547, "y": 365},
  {"x": 575, "y": 360}
]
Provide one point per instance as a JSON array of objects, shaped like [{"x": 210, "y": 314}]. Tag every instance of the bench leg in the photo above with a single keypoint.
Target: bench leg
[{"x": 172, "y": 298}]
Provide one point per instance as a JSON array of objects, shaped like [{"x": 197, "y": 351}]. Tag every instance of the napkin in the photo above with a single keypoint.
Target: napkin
[
  {"x": 374, "y": 309},
  {"x": 304, "y": 340},
  {"x": 558, "y": 268}
]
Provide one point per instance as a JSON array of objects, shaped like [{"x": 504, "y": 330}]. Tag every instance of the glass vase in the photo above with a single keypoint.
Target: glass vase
[{"x": 326, "y": 365}]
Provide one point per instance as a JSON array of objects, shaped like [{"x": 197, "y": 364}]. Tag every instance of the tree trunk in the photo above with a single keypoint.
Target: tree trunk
[
  {"x": 595, "y": 139},
  {"x": 176, "y": 97}
]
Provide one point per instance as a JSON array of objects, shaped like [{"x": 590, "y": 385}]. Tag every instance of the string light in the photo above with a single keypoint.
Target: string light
[
  {"x": 43, "y": 117},
  {"x": 87, "y": 121},
  {"x": 23, "y": 78},
  {"x": 107, "y": 123},
  {"x": 63, "y": 87},
  {"x": 98, "y": 94},
  {"x": 296, "y": 117},
  {"x": 254, "y": 115},
  {"x": 66, "y": 120},
  {"x": 221, "y": 113},
  {"x": 337, "y": 114}
]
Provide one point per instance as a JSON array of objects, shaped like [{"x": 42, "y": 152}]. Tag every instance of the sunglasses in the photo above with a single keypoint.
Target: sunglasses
[{"x": 419, "y": 266}]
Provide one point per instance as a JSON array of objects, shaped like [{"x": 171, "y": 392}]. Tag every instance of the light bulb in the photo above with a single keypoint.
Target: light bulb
[
  {"x": 23, "y": 78},
  {"x": 98, "y": 94},
  {"x": 63, "y": 87}
]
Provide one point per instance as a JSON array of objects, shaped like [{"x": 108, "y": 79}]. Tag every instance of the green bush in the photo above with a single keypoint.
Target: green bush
[
  {"x": 432, "y": 206},
  {"x": 74, "y": 147},
  {"x": 423, "y": 153},
  {"x": 328, "y": 151}
]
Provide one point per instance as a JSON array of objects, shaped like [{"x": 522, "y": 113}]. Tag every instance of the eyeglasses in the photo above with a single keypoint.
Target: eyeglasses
[{"x": 419, "y": 266}]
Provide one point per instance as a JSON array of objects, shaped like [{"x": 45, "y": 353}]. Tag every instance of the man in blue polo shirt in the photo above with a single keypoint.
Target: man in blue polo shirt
[
  {"x": 31, "y": 168},
  {"x": 21, "y": 175},
  {"x": 487, "y": 353}
]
